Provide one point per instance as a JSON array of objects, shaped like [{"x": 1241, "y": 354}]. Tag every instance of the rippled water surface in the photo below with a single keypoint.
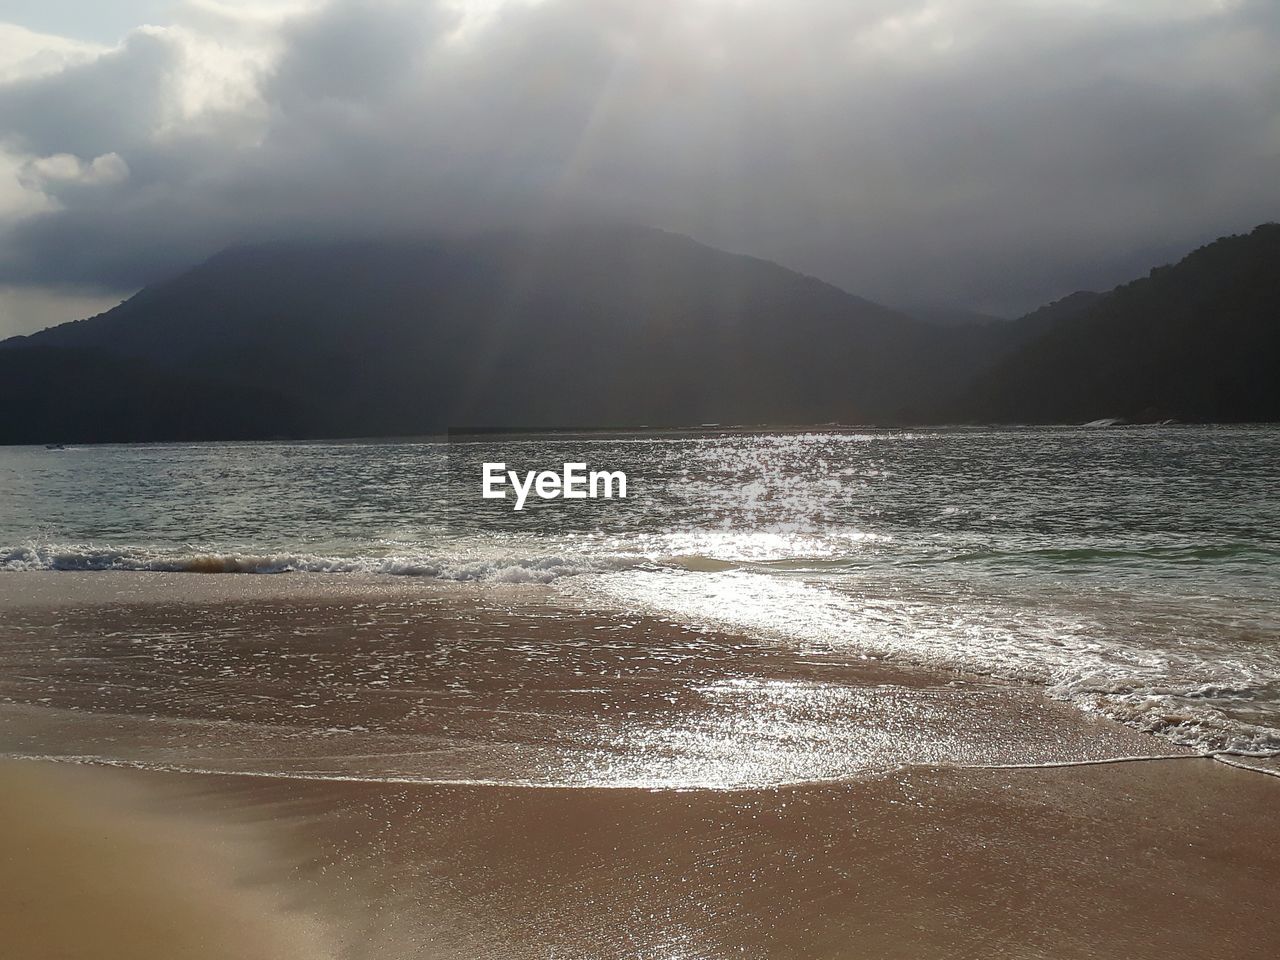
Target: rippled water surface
[{"x": 1132, "y": 571}]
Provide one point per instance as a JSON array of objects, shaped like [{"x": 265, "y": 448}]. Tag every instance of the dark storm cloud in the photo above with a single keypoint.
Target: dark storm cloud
[
  {"x": 994, "y": 153},
  {"x": 106, "y": 105}
]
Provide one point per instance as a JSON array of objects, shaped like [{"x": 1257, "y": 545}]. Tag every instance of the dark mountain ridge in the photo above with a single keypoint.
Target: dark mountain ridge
[
  {"x": 1195, "y": 341},
  {"x": 608, "y": 327},
  {"x": 594, "y": 326}
]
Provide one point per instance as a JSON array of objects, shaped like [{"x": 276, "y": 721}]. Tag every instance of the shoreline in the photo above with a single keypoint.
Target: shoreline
[
  {"x": 305, "y": 844},
  {"x": 69, "y": 590},
  {"x": 674, "y": 706},
  {"x": 465, "y": 434}
]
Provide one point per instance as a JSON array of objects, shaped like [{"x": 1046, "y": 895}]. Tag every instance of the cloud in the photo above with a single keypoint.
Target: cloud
[
  {"x": 992, "y": 153},
  {"x": 48, "y": 173},
  {"x": 26, "y": 53}
]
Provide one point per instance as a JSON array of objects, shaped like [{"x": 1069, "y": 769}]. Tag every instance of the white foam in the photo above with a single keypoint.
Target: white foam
[
  {"x": 1190, "y": 694},
  {"x": 499, "y": 568}
]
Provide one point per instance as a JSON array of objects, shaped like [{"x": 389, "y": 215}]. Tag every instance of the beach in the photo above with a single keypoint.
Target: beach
[
  {"x": 1134, "y": 860},
  {"x": 208, "y": 801},
  {"x": 804, "y": 694}
]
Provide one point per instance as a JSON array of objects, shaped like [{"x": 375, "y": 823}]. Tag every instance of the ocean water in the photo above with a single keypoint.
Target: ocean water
[{"x": 1131, "y": 572}]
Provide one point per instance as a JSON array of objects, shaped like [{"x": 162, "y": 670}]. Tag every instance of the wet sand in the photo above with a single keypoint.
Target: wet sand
[
  {"x": 427, "y": 833},
  {"x": 396, "y": 679},
  {"x": 1175, "y": 858}
]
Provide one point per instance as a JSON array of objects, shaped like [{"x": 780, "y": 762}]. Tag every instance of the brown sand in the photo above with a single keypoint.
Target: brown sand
[
  {"x": 89, "y": 867},
  {"x": 1170, "y": 857},
  {"x": 1158, "y": 859}
]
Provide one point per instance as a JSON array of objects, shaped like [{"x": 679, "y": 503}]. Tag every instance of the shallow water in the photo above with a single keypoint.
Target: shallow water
[
  {"x": 1132, "y": 571},
  {"x": 442, "y": 684}
]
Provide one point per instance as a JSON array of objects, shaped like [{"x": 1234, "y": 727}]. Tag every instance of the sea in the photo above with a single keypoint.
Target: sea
[{"x": 1128, "y": 572}]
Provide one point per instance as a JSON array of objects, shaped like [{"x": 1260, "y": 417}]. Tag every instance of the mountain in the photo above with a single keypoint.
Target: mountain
[
  {"x": 70, "y": 395},
  {"x": 1196, "y": 341},
  {"x": 622, "y": 327},
  {"x": 1061, "y": 311},
  {"x": 593, "y": 326}
]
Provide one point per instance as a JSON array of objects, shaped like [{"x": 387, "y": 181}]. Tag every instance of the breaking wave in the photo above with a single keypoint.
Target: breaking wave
[{"x": 498, "y": 569}]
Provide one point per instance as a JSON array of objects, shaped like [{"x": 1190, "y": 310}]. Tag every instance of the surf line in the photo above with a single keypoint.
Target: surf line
[{"x": 1221, "y": 756}]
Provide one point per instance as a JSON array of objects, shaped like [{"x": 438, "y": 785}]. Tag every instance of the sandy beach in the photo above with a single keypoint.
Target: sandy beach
[
  {"x": 262, "y": 829},
  {"x": 1134, "y": 860}
]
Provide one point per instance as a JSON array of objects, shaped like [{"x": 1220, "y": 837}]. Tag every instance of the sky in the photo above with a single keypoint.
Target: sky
[{"x": 986, "y": 154}]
